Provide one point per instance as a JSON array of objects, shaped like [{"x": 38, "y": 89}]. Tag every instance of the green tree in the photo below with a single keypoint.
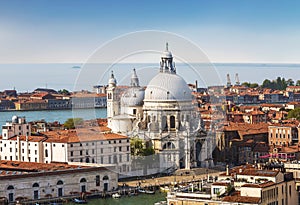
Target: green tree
[
  {"x": 246, "y": 84},
  {"x": 253, "y": 85},
  {"x": 140, "y": 148},
  {"x": 64, "y": 92},
  {"x": 71, "y": 123},
  {"x": 290, "y": 82},
  {"x": 294, "y": 114},
  {"x": 266, "y": 84},
  {"x": 298, "y": 83}
]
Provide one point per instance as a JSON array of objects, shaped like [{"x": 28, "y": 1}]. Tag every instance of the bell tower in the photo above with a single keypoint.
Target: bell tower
[{"x": 112, "y": 99}]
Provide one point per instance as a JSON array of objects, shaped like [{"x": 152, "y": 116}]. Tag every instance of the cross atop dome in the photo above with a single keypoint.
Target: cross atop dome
[{"x": 166, "y": 64}]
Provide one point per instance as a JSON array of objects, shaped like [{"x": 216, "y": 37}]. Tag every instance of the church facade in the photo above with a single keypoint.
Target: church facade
[{"x": 162, "y": 114}]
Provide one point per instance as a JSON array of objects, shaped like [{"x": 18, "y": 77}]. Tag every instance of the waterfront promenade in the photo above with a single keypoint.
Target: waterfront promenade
[{"x": 179, "y": 177}]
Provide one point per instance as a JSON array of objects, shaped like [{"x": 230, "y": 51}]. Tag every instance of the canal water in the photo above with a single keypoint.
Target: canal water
[
  {"x": 54, "y": 115},
  {"x": 141, "y": 199}
]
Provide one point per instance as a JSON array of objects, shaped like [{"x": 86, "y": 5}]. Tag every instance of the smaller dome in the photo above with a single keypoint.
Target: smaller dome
[
  {"x": 166, "y": 54},
  {"x": 133, "y": 97},
  {"x": 112, "y": 81},
  {"x": 14, "y": 119}
]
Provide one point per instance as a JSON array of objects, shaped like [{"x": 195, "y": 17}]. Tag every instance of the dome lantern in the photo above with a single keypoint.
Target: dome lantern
[{"x": 166, "y": 64}]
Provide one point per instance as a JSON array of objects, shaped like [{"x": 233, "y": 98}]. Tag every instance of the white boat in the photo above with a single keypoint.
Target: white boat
[
  {"x": 160, "y": 203},
  {"x": 116, "y": 195},
  {"x": 164, "y": 189}
]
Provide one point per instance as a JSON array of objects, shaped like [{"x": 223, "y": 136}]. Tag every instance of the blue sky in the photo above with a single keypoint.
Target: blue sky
[{"x": 59, "y": 31}]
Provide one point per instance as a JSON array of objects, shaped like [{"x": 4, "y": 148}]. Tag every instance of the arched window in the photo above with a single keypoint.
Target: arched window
[
  {"x": 105, "y": 177},
  {"x": 164, "y": 124},
  {"x": 10, "y": 187},
  {"x": 35, "y": 185},
  {"x": 82, "y": 180},
  {"x": 172, "y": 121},
  {"x": 59, "y": 182},
  {"x": 169, "y": 145}
]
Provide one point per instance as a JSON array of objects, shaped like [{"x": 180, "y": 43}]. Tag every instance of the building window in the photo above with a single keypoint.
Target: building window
[
  {"x": 10, "y": 149},
  {"x": 35, "y": 151},
  {"x": 120, "y": 149},
  {"x": 97, "y": 180},
  {"x": 93, "y": 151},
  {"x": 86, "y": 152},
  {"x": 80, "y": 152},
  {"x": 101, "y": 150},
  {"x": 59, "y": 182},
  {"x": 115, "y": 149},
  {"x": 87, "y": 144},
  {"x": 63, "y": 145},
  {"x": 127, "y": 148},
  {"x": 101, "y": 160},
  {"x": 46, "y": 153},
  {"x": 80, "y": 145},
  {"x": 115, "y": 141},
  {"x": 71, "y": 153},
  {"x": 71, "y": 145}
]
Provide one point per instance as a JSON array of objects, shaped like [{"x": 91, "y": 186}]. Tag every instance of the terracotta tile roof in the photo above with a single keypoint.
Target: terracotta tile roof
[
  {"x": 262, "y": 185},
  {"x": 246, "y": 128},
  {"x": 39, "y": 95},
  {"x": 242, "y": 199},
  {"x": 271, "y": 105},
  {"x": 81, "y": 135},
  {"x": 257, "y": 172},
  {"x": 34, "y": 166},
  {"x": 30, "y": 138},
  {"x": 221, "y": 183}
]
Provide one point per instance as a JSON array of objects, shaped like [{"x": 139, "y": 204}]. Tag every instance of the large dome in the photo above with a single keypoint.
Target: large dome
[{"x": 167, "y": 87}]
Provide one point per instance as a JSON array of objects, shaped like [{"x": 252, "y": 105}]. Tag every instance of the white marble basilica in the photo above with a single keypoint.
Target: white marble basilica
[{"x": 162, "y": 114}]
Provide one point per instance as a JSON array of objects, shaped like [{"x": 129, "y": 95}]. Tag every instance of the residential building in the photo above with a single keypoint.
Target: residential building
[
  {"x": 241, "y": 185},
  {"x": 27, "y": 180},
  {"x": 94, "y": 144},
  {"x": 283, "y": 134}
]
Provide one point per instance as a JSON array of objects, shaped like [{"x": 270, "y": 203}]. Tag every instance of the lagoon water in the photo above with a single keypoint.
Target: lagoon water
[
  {"x": 54, "y": 115},
  {"x": 27, "y": 77}
]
